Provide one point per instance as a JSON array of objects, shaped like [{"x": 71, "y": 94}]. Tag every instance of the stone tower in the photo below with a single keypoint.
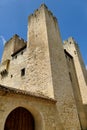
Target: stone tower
[
  {"x": 45, "y": 42},
  {"x": 72, "y": 48},
  {"x": 77, "y": 75},
  {"x": 39, "y": 70}
]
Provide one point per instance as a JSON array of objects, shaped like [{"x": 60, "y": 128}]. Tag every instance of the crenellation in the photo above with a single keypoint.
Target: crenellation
[
  {"x": 43, "y": 5},
  {"x": 55, "y": 19}
]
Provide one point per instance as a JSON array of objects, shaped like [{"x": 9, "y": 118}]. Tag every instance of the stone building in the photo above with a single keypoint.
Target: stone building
[{"x": 43, "y": 83}]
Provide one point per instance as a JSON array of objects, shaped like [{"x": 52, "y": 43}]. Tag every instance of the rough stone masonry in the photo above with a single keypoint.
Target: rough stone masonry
[{"x": 44, "y": 78}]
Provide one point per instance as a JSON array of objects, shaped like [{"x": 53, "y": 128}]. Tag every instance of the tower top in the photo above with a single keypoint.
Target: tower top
[
  {"x": 71, "y": 40},
  {"x": 43, "y": 6}
]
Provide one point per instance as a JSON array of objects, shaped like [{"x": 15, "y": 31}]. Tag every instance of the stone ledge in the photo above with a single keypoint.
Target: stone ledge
[{"x": 9, "y": 90}]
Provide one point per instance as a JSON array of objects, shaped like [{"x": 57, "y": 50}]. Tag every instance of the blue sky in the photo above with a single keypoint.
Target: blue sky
[{"x": 71, "y": 15}]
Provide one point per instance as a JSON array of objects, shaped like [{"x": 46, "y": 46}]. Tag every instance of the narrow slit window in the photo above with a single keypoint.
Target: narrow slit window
[
  {"x": 23, "y": 72},
  {"x": 70, "y": 76}
]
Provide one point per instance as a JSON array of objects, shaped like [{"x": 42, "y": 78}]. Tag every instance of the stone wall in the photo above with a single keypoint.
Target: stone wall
[
  {"x": 71, "y": 47},
  {"x": 76, "y": 91},
  {"x": 12, "y": 46},
  {"x": 46, "y": 71},
  {"x": 62, "y": 87},
  {"x": 44, "y": 111}
]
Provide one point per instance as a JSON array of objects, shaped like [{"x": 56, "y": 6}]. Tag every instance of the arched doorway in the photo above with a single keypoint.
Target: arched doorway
[{"x": 20, "y": 119}]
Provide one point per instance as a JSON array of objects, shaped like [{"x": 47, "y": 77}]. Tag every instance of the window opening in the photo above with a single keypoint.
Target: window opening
[
  {"x": 23, "y": 72},
  {"x": 70, "y": 76}
]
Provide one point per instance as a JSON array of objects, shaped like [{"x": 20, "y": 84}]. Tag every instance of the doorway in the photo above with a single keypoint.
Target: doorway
[{"x": 20, "y": 119}]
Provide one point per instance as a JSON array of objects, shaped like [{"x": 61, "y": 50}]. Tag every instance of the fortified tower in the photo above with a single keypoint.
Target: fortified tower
[
  {"x": 51, "y": 73},
  {"x": 73, "y": 58},
  {"x": 39, "y": 68},
  {"x": 72, "y": 48},
  {"x": 12, "y": 46}
]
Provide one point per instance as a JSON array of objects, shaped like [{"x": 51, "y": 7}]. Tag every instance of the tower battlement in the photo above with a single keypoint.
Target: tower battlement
[
  {"x": 12, "y": 46},
  {"x": 37, "y": 11}
]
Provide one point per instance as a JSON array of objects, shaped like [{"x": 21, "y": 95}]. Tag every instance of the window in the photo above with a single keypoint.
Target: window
[
  {"x": 70, "y": 76},
  {"x": 11, "y": 75},
  {"x": 23, "y": 72},
  {"x": 4, "y": 73}
]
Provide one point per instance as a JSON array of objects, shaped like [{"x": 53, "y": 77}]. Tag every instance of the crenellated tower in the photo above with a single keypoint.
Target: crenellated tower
[
  {"x": 50, "y": 72},
  {"x": 39, "y": 67}
]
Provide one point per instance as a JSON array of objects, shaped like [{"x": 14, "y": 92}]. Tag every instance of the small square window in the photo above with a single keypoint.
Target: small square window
[
  {"x": 11, "y": 75},
  {"x": 23, "y": 72}
]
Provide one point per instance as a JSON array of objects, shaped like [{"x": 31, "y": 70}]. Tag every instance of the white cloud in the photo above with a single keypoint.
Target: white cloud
[
  {"x": 86, "y": 67},
  {"x": 3, "y": 39}
]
